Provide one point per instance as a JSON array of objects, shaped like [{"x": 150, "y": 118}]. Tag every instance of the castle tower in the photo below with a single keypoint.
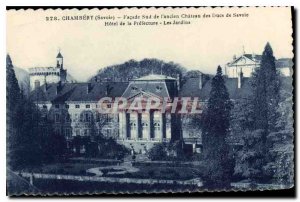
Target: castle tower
[
  {"x": 45, "y": 75},
  {"x": 59, "y": 60}
]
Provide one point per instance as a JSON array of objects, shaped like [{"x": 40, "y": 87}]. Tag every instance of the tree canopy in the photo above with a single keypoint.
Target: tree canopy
[{"x": 215, "y": 128}]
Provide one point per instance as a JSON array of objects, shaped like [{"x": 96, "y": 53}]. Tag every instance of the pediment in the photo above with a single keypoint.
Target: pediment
[
  {"x": 242, "y": 61},
  {"x": 143, "y": 95}
]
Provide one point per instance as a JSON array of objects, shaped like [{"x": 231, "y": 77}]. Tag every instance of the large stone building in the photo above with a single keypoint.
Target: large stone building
[
  {"x": 74, "y": 108},
  {"x": 148, "y": 126}
]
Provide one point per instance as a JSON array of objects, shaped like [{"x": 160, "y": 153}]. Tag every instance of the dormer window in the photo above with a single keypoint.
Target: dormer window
[
  {"x": 158, "y": 88},
  {"x": 134, "y": 88}
]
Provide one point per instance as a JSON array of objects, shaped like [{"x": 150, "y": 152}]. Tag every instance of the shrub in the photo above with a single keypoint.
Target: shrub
[
  {"x": 151, "y": 173},
  {"x": 158, "y": 152}
]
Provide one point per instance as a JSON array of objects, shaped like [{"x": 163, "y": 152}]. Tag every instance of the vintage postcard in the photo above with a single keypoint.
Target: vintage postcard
[{"x": 149, "y": 100}]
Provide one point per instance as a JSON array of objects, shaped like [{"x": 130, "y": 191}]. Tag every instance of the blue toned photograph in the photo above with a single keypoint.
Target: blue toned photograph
[{"x": 150, "y": 100}]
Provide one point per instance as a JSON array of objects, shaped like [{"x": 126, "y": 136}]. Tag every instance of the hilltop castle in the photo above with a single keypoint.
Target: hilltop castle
[{"x": 46, "y": 75}]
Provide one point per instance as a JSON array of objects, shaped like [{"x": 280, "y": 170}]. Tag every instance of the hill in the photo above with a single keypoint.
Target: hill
[
  {"x": 134, "y": 69},
  {"x": 23, "y": 79}
]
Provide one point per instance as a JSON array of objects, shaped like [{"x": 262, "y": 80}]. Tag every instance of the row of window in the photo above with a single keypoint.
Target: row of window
[
  {"x": 83, "y": 117},
  {"x": 133, "y": 126},
  {"x": 158, "y": 88},
  {"x": 67, "y": 132},
  {"x": 78, "y": 132},
  {"x": 77, "y": 106}
]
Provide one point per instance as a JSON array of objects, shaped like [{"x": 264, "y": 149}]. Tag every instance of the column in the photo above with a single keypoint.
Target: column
[
  {"x": 122, "y": 125},
  {"x": 151, "y": 131},
  {"x": 127, "y": 128},
  {"x": 139, "y": 126},
  {"x": 145, "y": 129},
  {"x": 163, "y": 127},
  {"x": 168, "y": 126}
]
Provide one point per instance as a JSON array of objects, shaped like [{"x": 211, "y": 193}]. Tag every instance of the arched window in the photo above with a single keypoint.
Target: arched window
[
  {"x": 68, "y": 118},
  {"x": 88, "y": 117},
  {"x": 134, "y": 88},
  {"x": 144, "y": 126},
  {"x": 157, "y": 126},
  {"x": 158, "y": 88},
  {"x": 57, "y": 118},
  {"x": 37, "y": 84},
  {"x": 132, "y": 126}
]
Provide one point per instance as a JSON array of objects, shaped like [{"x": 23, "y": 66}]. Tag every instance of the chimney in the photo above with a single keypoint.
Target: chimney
[
  {"x": 178, "y": 82},
  {"x": 96, "y": 78},
  {"x": 45, "y": 87},
  {"x": 234, "y": 57},
  {"x": 106, "y": 89},
  {"x": 253, "y": 56},
  {"x": 45, "y": 84},
  {"x": 240, "y": 78},
  {"x": 89, "y": 88},
  {"x": 200, "y": 80}
]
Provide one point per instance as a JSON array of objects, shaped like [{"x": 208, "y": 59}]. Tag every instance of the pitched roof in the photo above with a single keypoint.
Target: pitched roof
[
  {"x": 253, "y": 57},
  {"x": 284, "y": 62},
  {"x": 59, "y": 55},
  {"x": 154, "y": 77},
  {"x": 280, "y": 63},
  {"x": 191, "y": 88},
  {"x": 69, "y": 92},
  {"x": 157, "y": 88}
]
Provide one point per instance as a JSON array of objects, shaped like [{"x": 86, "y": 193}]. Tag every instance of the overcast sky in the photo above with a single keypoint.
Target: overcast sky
[{"x": 90, "y": 46}]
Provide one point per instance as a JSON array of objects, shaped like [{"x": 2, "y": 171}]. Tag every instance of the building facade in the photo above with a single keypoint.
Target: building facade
[
  {"x": 246, "y": 64},
  {"x": 74, "y": 108},
  {"x": 47, "y": 75}
]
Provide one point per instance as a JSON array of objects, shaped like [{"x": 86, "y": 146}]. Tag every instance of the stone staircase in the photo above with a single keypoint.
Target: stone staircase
[{"x": 142, "y": 157}]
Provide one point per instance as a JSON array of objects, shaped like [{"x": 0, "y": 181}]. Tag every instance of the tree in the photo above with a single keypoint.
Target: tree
[
  {"x": 250, "y": 159},
  {"x": 55, "y": 145},
  {"x": 134, "y": 69},
  {"x": 22, "y": 119},
  {"x": 265, "y": 88},
  {"x": 158, "y": 152},
  {"x": 13, "y": 92},
  {"x": 13, "y": 95},
  {"x": 264, "y": 102},
  {"x": 27, "y": 151},
  {"x": 267, "y": 153},
  {"x": 30, "y": 141},
  {"x": 216, "y": 125},
  {"x": 281, "y": 142}
]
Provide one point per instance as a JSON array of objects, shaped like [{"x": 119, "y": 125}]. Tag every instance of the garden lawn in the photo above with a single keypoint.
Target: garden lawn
[
  {"x": 65, "y": 168},
  {"x": 166, "y": 173}
]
